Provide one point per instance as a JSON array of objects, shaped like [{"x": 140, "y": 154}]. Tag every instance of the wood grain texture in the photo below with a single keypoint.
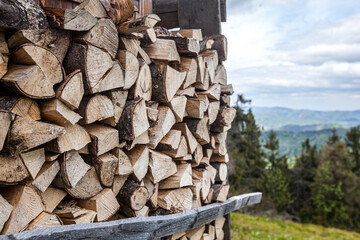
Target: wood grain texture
[{"x": 143, "y": 228}]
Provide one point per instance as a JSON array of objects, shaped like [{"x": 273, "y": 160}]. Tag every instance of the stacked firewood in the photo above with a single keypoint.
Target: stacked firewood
[{"x": 102, "y": 121}]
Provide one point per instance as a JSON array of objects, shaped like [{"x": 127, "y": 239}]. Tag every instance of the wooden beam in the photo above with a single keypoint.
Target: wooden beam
[{"x": 146, "y": 228}]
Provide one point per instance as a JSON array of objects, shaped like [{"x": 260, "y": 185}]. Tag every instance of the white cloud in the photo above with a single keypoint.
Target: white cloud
[{"x": 297, "y": 50}]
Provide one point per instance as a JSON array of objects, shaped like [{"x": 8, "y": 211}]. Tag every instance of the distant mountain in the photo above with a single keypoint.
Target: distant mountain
[
  {"x": 290, "y": 142},
  {"x": 277, "y": 117},
  {"x": 294, "y": 126}
]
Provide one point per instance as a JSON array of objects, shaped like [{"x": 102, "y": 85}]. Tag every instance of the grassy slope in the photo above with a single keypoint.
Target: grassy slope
[{"x": 248, "y": 227}]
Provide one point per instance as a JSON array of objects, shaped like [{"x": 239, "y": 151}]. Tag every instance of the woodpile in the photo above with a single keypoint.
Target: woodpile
[{"x": 105, "y": 117}]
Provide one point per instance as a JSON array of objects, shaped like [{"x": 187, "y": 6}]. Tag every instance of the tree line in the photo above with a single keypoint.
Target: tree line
[{"x": 323, "y": 186}]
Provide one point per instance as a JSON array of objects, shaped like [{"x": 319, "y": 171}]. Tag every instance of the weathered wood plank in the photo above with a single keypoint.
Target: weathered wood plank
[{"x": 143, "y": 227}]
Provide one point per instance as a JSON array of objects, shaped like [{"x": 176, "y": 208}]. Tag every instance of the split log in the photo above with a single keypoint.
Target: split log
[
  {"x": 195, "y": 108},
  {"x": 133, "y": 195},
  {"x": 103, "y": 35},
  {"x": 220, "y": 192},
  {"x": 219, "y": 159},
  {"x": 213, "y": 110},
  {"x": 130, "y": 65},
  {"x": 166, "y": 120},
  {"x": 46, "y": 175},
  {"x": 94, "y": 7},
  {"x": 211, "y": 62},
  {"x": 55, "y": 111},
  {"x": 4, "y": 49},
  {"x": 144, "y": 212},
  {"x": 124, "y": 166},
  {"x": 203, "y": 176},
  {"x": 180, "y": 152},
  {"x": 133, "y": 121},
  {"x": 220, "y": 75},
  {"x": 161, "y": 167},
  {"x": 152, "y": 114},
  {"x": 189, "y": 92},
  {"x": 163, "y": 49},
  {"x": 195, "y": 234},
  {"x": 184, "y": 45},
  {"x": 75, "y": 138},
  {"x": 144, "y": 56},
  {"x": 118, "y": 10},
  {"x": 95, "y": 108},
  {"x": 227, "y": 89},
  {"x": 220, "y": 149},
  {"x": 103, "y": 138},
  {"x": 3, "y": 64},
  {"x": 104, "y": 204},
  {"x": 166, "y": 82},
  {"x": 225, "y": 117},
  {"x": 182, "y": 178},
  {"x": 88, "y": 186},
  {"x": 27, "y": 205},
  {"x": 51, "y": 198},
  {"x": 33, "y": 161},
  {"x": 190, "y": 33},
  {"x": 39, "y": 71},
  {"x": 72, "y": 84},
  {"x": 143, "y": 85},
  {"x": 73, "y": 168},
  {"x": 148, "y": 36},
  {"x": 56, "y": 40},
  {"x": 176, "y": 200},
  {"x": 204, "y": 85},
  {"x": 178, "y": 106},
  {"x": 171, "y": 141},
  {"x": 191, "y": 140},
  {"x": 139, "y": 157},
  {"x": 119, "y": 182},
  {"x": 95, "y": 65},
  {"x": 138, "y": 25},
  {"x": 21, "y": 106},
  {"x": 118, "y": 99},
  {"x": 75, "y": 215},
  {"x": 200, "y": 129},
  {"x": 5, "y": 209},
  {"x": 219, "y": 224},
  {"x": 197, "y": 156},
  {"x": 153, "y": 201},
  {"x": 206, "y": 44},
  {"x": 70, "y": 19},
  {"x": 106, "y": 166},
  {"x": 225, "y": 101},
  {"x": 22, "y": 14},
  {"x": 190, "y": 66},
  {"x": 210, "y": 231},
  {"x": 213, "y": 92},
  {"x": 131, "y": 45},
  {"x": 212, "y": 173},
  {"x": 221, "y": 171},
  {"x": 44, "y": 220},
  {"x": 201, "y": 70},
  {"x": 12, "y": 170},
  {"x": 5, "y": 121},
  {"x": 26, "y": 134}
]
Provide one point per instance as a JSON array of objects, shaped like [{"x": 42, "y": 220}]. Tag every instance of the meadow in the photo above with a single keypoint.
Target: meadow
[{"x": 250, "y": 227}]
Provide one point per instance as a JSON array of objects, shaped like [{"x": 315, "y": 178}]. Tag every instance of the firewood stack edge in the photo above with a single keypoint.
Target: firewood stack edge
[{"x": 104, "y": 118}]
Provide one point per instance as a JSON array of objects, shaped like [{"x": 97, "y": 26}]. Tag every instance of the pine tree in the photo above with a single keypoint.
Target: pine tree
[
  {"x": 352, "y": 140},
  {"x": 333, "y": 138},
  {"x": 277, "y": 179},
  {"x": 245, "y": 151},
  {"x": 303, "y": 175}
]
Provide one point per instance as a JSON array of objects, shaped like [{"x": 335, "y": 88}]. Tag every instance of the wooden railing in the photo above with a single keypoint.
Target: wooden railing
[{"x": 144, "y": 227}]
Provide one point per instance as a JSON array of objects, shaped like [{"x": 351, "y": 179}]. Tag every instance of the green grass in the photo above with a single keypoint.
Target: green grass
[{"x": 249, "y": 227}]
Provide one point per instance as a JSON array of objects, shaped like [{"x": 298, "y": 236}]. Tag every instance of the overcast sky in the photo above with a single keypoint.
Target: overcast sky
[{"x": 302, "y": 54}]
